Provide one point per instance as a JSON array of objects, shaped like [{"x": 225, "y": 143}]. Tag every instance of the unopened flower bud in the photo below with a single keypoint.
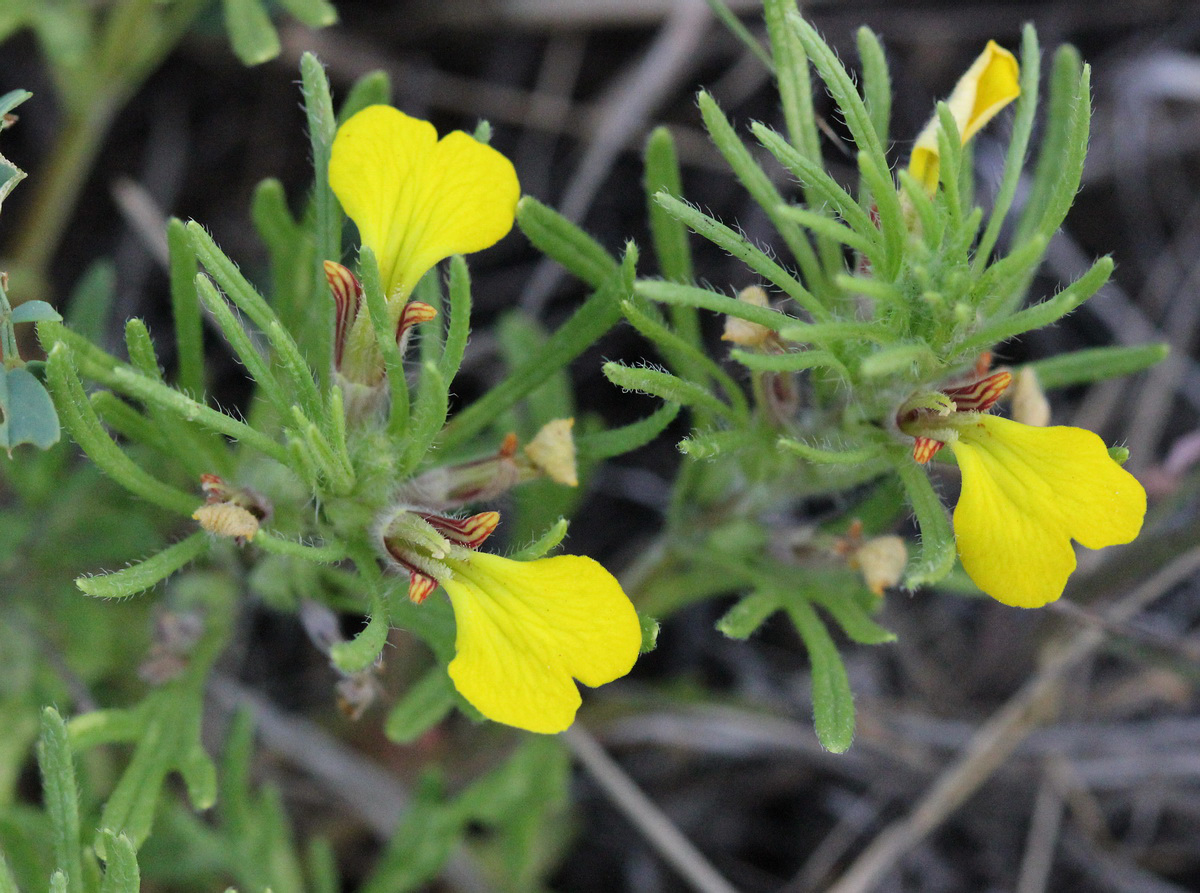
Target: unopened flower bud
[
  {"x": 743, "y": 332},
  {"x": 226, "y": 519},
  {"x": 230, "y": 511},
  {"x": 1029, "y": 403},
  {"x": 881, "y": 560},
  {"x": 552, "y": 450}
]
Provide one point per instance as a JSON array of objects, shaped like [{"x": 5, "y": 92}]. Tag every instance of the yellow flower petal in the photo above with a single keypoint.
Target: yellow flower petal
[
  {"x": 417, "y": 199},
  {"x": 991, "y": 83},
  {"x": 526, "y": 629},
  {"x": 1026, "y": 493}
]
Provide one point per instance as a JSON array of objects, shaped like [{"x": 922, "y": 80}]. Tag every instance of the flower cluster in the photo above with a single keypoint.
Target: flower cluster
[
  {"x": 525, "y": 629},
  {"x": 1027, "y": 491}
]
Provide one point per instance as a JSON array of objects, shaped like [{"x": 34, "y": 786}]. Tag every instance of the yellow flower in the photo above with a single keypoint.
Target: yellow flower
[
  {"x": 1026, "y": 493},
  {"x": 527, "y": 629},
  {"x": 417, "y": 199},
  {"x": 990, "y": 84}
]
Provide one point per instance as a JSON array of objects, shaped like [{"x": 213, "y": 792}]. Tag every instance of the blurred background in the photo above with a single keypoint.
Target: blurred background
[{"x": 997, "y": 749}]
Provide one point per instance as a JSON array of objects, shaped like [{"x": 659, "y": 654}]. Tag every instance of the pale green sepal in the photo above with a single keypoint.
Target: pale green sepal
[{"x": 650, "y": 628}]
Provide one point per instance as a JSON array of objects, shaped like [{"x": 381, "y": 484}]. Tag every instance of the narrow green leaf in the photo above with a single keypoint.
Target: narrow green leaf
[
  {"x": 669, "y": 236},
  {"x": 841, "y": 86},
  {"x": 121, "y": 874},
  {"x": 829, "y": 228},
  {"x": 826, "y": 456},
  {"x": 691, "y": 296},
  {"x": 141, "y": 349},
  {"x": 322, "y": 866},
  {"x": 833, "y": 702},
  {"x": 250, "y": 30},
  {"x": 876, "y": 82},
  {"x": 666, "y": 386},
  {"x": 61, "y": 797},
  {"x": 429, "y": 414},
  {"x": 141, "y": 576},
  {"x": 131, "y": 424},
  {"x": 850, "y": 617},
  {"x": 616, "y": 441},
  {"x": 763, "y": 191},
  {"x": 1040, "y": 315},
  {"x": 738, "y": 246},
  {"x": 1018, "y": 145},
  {"x": 314, "y": 13},
  {"x": 373, "y": 88},
  {"x": 792, "y": 75},
  {"x": 246, "y": 298},
  {"x": 789, "y": 362},
  {"x": 730, "y": 20},
  {"x": 424, "y": 705},
  {"x": 257, "y": 366},
  {"x": 560, "y": 239},
  {"x": 275, "y": 544},
  {"x": 458, "y": 329},
  {"x": 710, "y": 444},
  {"x": 938, "y": 551},
  {"x": 1062, "y": 189},
  {"x": 686, "y": 360},
  {"x": 599, "y": 313},
  {"x": 185, "y": 308},
  {"x": 81, "y": 420},
  {"x": 892, "y": 223},
  {"x": 741, "y": 621},
  {"x": 362, "y": 651},
  {"x": 1056, "y": 138},
  {"x": 1097, "y": 364},
  {"x": 821, "y": 187},
  {"x": 912, "y": 360}
]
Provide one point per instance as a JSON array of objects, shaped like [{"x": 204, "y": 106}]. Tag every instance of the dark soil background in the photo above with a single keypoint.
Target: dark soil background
[{"x": 1104, "y": 794}]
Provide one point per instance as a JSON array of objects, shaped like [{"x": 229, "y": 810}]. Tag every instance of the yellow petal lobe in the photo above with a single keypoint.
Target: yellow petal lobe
[
  {"x": 991, "y": 83},
  {"x": 1026, "y": 493},
  {"x": 417, "y": 199},
  {"x": 526, "y": 630}
]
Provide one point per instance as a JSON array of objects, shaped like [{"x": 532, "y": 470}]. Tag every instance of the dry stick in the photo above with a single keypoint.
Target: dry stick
[
  {"x": 660, "y": 831},
  {"x": 997, "y": 739},
  {"x": 1042, "y": 839}
]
